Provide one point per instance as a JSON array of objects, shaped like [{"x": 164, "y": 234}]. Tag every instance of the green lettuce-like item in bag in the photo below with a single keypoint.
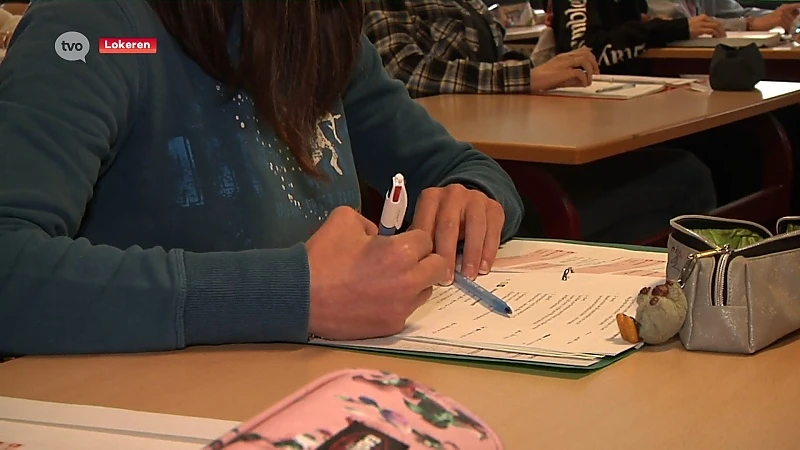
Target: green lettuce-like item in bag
[{"x": 736, "y": 238}]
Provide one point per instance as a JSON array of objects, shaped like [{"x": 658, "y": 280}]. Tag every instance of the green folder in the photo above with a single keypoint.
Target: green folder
[{"x": 551, "y": 369}]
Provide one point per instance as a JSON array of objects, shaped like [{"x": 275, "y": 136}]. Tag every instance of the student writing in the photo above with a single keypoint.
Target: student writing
[
  {"x": 455, "y": 46},
  {"x": 729, "y": 13},
  {"x": 618, "y": 32},
  {"x": 207, "y": 194}
]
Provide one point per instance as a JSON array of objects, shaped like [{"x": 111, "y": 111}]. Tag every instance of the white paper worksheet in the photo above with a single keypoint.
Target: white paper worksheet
[
  {"x": 528, "y": 256},
  {"x": 574, "y": 316}
]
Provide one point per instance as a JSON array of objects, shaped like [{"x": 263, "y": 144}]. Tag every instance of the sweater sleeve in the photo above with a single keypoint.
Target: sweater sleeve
[
  {"x": 441, "y": 70},
  {"x": 731, "y": 9},
  {"x": 391, "y": 133},
  {"x": 614, "y": 45},
  {"x": 60, "y": 293}
]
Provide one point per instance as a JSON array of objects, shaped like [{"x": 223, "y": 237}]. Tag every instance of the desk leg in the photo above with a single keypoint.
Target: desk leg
[
  {"x": 558, "y": 214},
  {"x": 774, "y": 199}
]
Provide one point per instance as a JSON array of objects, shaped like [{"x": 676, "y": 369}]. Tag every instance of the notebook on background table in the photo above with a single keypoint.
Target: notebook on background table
[
  {"x": 609, "y": 89},
  {"x": 734, "y": 39}
]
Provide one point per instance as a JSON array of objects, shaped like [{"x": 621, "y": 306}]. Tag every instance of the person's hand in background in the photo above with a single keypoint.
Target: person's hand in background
[
  {"x": 574, "y": 68},
  {"x": 363, "y": 285},
  {"x": 454, "y": 213},
  {"x": 705, "y": 25},
  {"x": 648, "y": 17},
  {"x": 783, "y": 16}
]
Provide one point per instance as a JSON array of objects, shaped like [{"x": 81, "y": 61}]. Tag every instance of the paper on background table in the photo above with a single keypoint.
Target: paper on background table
[
  {"x": 734, "y": 39},
  {"x": 166, "y": 427},
  {"x": 555, "y": 257},
  {"x": 642, "y": 80},
  {"x": 627, "y": 93}
]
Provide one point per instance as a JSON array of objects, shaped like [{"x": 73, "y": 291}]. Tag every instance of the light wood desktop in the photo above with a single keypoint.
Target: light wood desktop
[
  {"x": 781, "y": 62},
  {"x": 657, "y": 398},
  {"x": 549, "y": 129},
  {"x": 519, "y": 130},
  {"x": 789, "y": 50}
]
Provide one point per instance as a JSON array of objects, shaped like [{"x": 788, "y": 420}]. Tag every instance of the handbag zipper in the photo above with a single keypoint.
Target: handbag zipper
[
  {"x": 720, "y": 271},
  {"x": 720, "y": 293}
]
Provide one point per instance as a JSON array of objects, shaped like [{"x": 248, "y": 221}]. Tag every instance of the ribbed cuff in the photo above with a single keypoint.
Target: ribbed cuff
[{"x": 247, "y": 297}]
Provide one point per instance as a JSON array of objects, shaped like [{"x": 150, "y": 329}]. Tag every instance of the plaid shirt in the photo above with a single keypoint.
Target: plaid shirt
[{"x": 431, "y": 45}]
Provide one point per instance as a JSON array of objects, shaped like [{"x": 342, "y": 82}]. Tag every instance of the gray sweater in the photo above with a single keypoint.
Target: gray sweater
[{"x": 732, "y": 15}]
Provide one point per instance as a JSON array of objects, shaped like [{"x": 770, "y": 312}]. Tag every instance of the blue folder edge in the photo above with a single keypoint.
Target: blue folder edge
[{"x": 504, "y": 364}]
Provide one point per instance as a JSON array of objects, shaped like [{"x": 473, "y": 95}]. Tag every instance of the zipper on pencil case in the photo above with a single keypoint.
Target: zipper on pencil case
[{"x": 724, "y": 255}]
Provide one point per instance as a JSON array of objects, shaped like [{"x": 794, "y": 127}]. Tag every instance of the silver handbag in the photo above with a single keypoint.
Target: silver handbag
[{"x": 742, "y": 283}]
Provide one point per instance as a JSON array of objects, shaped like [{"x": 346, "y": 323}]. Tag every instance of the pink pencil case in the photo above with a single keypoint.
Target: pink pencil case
[{"x": 362, "y": 410}]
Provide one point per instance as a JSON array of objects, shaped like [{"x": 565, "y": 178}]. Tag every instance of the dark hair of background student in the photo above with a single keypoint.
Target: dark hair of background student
[{"x": 296, "y": 56}]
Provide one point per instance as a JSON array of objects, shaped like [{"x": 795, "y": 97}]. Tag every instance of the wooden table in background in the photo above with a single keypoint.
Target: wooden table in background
[
  {"x": 565, "y": 130},
  {"x": 782, "y": 62},
  {"x": 658, "y": 398},
  {"x": 519, "y": 130}
]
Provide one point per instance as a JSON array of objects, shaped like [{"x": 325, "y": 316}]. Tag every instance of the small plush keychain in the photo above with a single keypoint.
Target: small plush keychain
[{"x": 660, "y": 313}]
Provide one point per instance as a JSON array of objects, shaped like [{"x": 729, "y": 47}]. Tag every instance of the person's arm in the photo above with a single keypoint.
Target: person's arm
[
  {"x": 667, "y": 8},
  {"x": 392, "y": 133},
  {"x": 616, "y": 45},
  {"x": 732, "y": 9},
  {"x": 60, "y": 293},
  {"x": 732, "y": 18},
  {"x": 438, "y": 72}
]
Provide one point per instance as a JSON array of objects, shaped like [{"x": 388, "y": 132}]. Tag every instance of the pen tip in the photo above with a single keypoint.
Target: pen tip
[{"x": 508, "y": 310}]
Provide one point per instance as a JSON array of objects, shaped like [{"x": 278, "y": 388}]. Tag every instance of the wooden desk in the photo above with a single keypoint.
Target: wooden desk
[
  {"x": 782, "y": 62},
  {"x": 659, "y": 398},
  {"x": 519, "y": 130},
  {"x": 549, "y": 129}
]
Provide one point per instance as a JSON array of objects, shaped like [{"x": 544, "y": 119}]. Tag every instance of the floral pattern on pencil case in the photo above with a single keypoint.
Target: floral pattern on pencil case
[{"x": 415, "y": 416}]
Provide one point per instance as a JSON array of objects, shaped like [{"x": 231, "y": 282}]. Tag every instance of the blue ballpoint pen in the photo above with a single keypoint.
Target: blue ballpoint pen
[
  {"x": 394, "y": 207},
  {"x": 477, "y": 291}
]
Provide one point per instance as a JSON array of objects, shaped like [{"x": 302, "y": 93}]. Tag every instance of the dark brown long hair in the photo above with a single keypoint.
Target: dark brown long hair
[{"x": 295, "y": 61}]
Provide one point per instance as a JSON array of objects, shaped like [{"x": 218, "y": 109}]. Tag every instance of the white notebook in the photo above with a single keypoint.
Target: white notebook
[
  {"x": 638, "y": 79},
  {"x": 734, "y": 39},
  {"x": 605, "y": 89}
]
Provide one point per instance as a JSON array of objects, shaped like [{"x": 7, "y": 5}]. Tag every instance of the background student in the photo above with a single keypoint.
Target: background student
[
  {"x": 730, "y": 13},
  {"x": 207, "y": 194},
  {"x": 734, "y": 17},
  {"x": 455, "y": 46},
  {"x": 618, "y": 32}
]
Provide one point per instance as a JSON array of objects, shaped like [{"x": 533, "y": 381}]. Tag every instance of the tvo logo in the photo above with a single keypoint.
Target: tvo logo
[{"x": 72, "y": 46}]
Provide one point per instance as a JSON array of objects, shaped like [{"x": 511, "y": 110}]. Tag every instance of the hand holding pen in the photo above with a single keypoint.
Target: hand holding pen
[
  {"x": 454, "y": 213},
  {"x": 449, "y": 200}
]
